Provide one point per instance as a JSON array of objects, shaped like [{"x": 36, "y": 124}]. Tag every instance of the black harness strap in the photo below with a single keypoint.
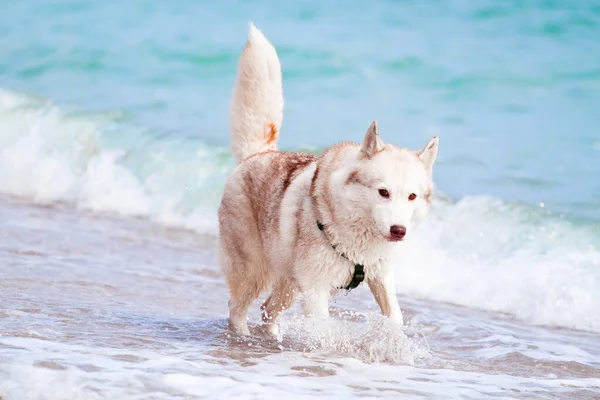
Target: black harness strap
[{"x": 359, "y": 270}]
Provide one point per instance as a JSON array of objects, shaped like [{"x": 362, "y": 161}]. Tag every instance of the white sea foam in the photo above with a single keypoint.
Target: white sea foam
[
  {"x": 53, "y": 371},
  {"x": 50, "y": 155},
  {"x": 482, "y": 252},
  {"x": 375, "y": 341}
]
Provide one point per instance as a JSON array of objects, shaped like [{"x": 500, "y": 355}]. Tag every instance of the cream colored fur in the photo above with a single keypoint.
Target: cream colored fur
[
  {"x": 268, "y": 234},
  {"x": 257, "y": 106}
]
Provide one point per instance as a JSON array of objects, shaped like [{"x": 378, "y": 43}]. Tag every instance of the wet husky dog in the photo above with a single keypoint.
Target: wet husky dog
[{"x": 294, "y": 223}]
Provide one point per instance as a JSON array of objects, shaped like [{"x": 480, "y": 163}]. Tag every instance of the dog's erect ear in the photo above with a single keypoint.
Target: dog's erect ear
[
  {"x": 428, "y": 153},
  {"x": 371, "y": 144}
]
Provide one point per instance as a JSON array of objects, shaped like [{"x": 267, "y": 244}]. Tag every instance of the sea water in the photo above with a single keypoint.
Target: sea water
[{"x": 114, "y": 152}]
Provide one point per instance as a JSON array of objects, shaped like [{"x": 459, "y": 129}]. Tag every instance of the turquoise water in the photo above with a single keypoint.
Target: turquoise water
[
  {"x": 512, "y": 89},
  {"x": 112, "y": 110}
]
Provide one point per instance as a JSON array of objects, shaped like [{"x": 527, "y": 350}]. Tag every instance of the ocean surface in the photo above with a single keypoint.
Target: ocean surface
[{"x": 114, "y": 152}]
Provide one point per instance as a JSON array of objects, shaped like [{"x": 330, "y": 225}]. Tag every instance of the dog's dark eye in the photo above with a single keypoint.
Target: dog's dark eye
[
  {"x": 384, "y": 193},
  {"x": 412, "y": 196}
]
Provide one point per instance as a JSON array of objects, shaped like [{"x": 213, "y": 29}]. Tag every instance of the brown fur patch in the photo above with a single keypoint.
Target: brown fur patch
[
  {"x": 354, "y": 179},
  {"x": 313, "y": 191},
  {"x": 272, "y": 133},
  {"x": 267, "y": 176},
  {"x": 292, "y": 165},
  {"x": 251, "y": 187},
  {"x": 313, "y": 183}
]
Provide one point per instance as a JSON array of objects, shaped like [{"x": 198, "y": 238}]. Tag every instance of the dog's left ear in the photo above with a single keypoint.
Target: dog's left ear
[
  {"x": 428, "y": 153},
  {"x": 371, "y": 144}
]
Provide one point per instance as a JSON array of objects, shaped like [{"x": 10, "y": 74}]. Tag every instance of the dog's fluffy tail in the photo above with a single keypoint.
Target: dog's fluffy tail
[{"x": 256, "y": 110}]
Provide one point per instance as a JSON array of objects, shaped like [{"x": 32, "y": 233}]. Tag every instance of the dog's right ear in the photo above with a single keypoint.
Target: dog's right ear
[{"x": 371, "y": 143}]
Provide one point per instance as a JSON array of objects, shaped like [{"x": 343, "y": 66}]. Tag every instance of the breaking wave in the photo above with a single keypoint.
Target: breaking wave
[
  {"x": 478, "y": 252},
  {"x": 98, "y": 163}
]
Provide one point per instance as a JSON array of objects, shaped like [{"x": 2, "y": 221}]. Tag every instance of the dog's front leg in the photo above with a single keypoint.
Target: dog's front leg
[
  {"x": 316, "y": 302},
  {"x": 383, "y": 288}
]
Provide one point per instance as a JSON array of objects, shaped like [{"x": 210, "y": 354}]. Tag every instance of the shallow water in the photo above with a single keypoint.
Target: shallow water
[
  {"x": 113, "y": 155},
  {"x": 103, "y": 307}
]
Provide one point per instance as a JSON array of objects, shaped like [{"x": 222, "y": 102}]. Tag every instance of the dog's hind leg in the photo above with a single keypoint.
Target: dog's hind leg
[
  {"x": 246, "y": 278},
  {"x": 243, "y": 293},
  {"x": 281, "y": 298}
]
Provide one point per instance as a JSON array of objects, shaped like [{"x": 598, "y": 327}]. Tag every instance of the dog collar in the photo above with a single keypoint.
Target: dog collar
[{"x": 359, "y": 270}]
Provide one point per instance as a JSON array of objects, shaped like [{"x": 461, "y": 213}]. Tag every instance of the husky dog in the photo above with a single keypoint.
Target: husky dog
[{"x": 294, "y": 223}]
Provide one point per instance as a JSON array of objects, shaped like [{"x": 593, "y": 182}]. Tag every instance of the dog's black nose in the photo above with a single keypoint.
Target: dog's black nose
[{"x": 397, "y": 231}]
